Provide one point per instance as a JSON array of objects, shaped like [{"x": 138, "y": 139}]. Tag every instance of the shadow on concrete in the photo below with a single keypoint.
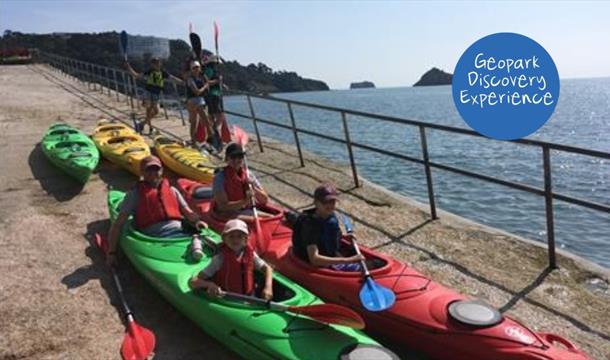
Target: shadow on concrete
[
  {"x": 52, "y": 180},
  {"x": 115, "y": 177},
  {"x": 177, "y": 337}
]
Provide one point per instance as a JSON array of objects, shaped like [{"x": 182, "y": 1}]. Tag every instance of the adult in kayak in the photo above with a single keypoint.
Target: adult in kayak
[
  {"x": 157, "y": 208},
  {"x": 213, "y": 98},
  {"x": 231, "y": 269},
  {"x": 154, "y": 78},
  {"x": 195, "y": 88},
  {"x": 231, "y": 193},
  {"x": 316, "y": 233}
]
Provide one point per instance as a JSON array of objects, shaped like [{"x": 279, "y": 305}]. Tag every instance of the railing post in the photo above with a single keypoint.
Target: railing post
[
  {"x": 296, "y": 135},
  {"x": 548, "y": 201},
  {"x": 107, "y": 79},
  {"x": 424, "y": 150},
  {"x": 258, "y": 135},
  {"x": 349, "y": 149},
  {"x": 116, "y": 85}
]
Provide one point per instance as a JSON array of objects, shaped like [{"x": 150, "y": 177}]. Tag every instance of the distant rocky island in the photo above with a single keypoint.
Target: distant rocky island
[
  {"x": 435, "y": 76},
  {"x": 361, "y": 85}
]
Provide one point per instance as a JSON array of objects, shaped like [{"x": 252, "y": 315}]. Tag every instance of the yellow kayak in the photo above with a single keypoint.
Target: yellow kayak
[
  {"x": 121, "y": 145},
  {"x": 184, "y": 161}
]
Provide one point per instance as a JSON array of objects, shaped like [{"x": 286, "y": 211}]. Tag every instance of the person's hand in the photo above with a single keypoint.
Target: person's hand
[
  {"x": 200, "y": 224},
  {"x": 214, "y": 290},
  {"x": 248, "y": 198},
  {"x": 267, "y": 293},
  {"x": 111, "y": 258},
  {"x": 355, "y": 258}
]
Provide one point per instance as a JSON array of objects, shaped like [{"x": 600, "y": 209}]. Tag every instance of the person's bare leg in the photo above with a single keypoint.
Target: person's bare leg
[{"x": 204, "y": 119}]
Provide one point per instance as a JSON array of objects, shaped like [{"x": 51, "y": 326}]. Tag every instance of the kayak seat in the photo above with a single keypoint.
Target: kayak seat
[
  {"x": 280, "y": 292},
  {"x": 69, "y": 144},
  {"x": 121, "y": 139},
  {"x": 133, "y": 149},
  {"x": 64, "y": 132},
  {"x": 77, "y": 154}
]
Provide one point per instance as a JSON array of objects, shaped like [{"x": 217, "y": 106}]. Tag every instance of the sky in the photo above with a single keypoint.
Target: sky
[{"x": 387, "y": 42}]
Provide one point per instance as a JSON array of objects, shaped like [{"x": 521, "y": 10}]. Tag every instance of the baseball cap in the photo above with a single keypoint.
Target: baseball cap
[
  {"x": 325, "y": 192},
  {"x": 150, "y": 161},
  {"x": 234, "y": 149},
  {"x": 195, "y": 64},
  {"x": 235, "y": 225}
]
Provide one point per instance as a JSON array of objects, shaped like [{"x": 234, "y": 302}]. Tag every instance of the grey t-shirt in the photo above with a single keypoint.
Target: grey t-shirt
[
  {"x": 130, "y": 204},
  {"x": 216, "y": 264}
]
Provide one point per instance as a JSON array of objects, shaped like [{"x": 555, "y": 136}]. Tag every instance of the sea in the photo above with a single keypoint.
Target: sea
[{"x": 581, "y": 118}]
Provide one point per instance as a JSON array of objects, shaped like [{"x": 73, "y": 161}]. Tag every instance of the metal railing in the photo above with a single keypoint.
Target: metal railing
[
  {"x": 428, "y": 165},
  {"x": 103, "y": 77}
]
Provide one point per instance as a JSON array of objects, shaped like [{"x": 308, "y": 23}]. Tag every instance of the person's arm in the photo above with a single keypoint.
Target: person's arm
[
  {"x": 319, "y": 260},
  {"x": 113, "y": 236},
  {"x": 261, "y": 265},
  {"x": 260, "y": 194},
  {"x": 176, "y": 79},
  {"x": 201, "y": 280},
  {"x": 187, "y": 212},
  {"x": 131, "y": 71}
]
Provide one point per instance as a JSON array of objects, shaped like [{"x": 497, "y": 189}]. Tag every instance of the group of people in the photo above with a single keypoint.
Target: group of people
[
  {"x": 158, "y": 210},
  {"x": 203, "y": 97}
]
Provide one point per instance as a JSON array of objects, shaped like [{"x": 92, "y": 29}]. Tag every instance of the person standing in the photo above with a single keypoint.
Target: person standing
[
  {"x": 195, "y": 88},
  {"x": 213, "y": 99},
  {"x": 154, "y": 78}
]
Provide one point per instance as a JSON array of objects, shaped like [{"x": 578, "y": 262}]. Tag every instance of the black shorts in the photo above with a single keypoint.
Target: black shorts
[{"x": 214, "y": 103}]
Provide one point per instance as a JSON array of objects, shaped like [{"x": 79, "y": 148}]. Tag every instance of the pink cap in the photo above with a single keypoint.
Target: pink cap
[
  {"x": 149, "y": 161},
  {"x": 235, "y": 224}
]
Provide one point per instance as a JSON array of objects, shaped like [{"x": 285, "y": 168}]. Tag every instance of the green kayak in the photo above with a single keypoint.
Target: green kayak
[
  {"x": 251, "y": 331},
  {"x": 70, "y": 150}
]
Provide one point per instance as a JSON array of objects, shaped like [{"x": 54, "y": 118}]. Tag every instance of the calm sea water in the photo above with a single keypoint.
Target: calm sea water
[{"x": 582, "y": 118}]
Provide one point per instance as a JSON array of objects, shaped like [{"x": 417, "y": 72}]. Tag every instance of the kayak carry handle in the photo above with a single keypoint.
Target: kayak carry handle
[{"x": 553, "y": 338}]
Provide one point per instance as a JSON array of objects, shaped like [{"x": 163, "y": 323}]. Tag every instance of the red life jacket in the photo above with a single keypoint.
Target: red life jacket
[
  {"x": 235, "y": 184},
  {"x": 236, "y": 275},
  {"x": 156, "y": 204}
]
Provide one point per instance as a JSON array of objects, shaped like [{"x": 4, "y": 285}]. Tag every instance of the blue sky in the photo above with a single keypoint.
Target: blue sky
[{"x": 389, "y": 43}]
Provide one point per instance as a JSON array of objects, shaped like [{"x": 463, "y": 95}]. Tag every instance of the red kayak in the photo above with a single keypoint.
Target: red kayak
[{"x": 424, "y": 316}]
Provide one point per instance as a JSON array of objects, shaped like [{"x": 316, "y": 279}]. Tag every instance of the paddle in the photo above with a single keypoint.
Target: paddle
[
  {"x": 139, "y": 342},
  {"x": 123, "y": 43},
  {"x": 324, "y": 313},
  {"x": 373, "y": 296},
  {"x": 260, "y": 247},
  {"x": 196, "y": 44},
  {"x": 225, "y": 134}
]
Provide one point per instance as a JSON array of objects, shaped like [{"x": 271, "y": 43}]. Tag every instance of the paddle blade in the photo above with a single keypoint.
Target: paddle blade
[
  {"x": 375, "y": 297},
  {"x": 239, "y": 136},
  {"x": 138, "y": 343},
  {"x": 225, "y": 133},
  {"x": 347, "y": 223},
  {"x": 330, "y": 314},
  {"x": 261, "y": 244},
  {"x": 190, "y": 27},
  {"x": 123, "y": 43},
  {"x": 216, "y": 32},
  {"x": 195, "y": 44},
  {"x": 101, "y": 243}
]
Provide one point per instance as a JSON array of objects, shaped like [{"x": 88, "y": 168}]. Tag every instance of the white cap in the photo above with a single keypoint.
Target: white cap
[
  {"x": 235, "y": 224},
  {"x": 195, "y": 64}
]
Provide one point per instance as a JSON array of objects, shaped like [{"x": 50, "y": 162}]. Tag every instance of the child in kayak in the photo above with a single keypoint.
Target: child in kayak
[
  {"x": 157, "y": 208},
  {"x": 316, "y": 234},
  {"x": 232, "y": 268}
]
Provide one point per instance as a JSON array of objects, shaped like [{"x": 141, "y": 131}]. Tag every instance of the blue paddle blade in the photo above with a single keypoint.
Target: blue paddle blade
[
  {"x": 375, "y": 297},
  {"x": 123, "y": 40},
  {"x": 348, "y": 224}
]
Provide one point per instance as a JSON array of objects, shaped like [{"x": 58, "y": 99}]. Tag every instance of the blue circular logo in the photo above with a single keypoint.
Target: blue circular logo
[{"x": 505, "y": 86}]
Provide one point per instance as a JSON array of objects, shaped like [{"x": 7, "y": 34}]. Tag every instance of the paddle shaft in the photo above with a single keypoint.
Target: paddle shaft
[
  {"x": 271, "y": 305},
  {"x": 126, "y": 310},
  {"x": 365, "y": 269}
]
